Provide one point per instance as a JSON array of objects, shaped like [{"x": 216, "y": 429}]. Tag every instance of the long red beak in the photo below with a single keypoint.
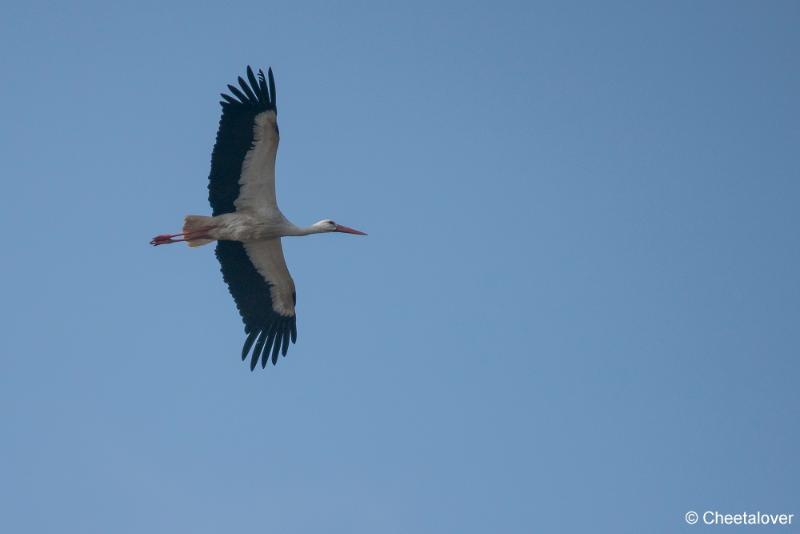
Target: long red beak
[{"x": 348, "y": 230}]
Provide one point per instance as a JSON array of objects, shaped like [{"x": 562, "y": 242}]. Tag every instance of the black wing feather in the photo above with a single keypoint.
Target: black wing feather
[
  {"x": 263, "y": 92},
  {"x": 257, "y": 351},
  {"x": 273, "y": 97},
  {"x": 238, "y": 94},
  {"x": 253, "y": 300},
  {"x": 251, "y": 97},
  {"x": 275, "y": 348},
  {"x": 287, "y": 334},
  {"x": 253, "y": 82},
  {"x": 268, "y": 348},
  {"x": 229, "y": 99},
  {"x": 249, "y": 343}
]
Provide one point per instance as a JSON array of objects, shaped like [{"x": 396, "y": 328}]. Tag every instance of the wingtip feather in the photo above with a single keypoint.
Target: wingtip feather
[
  {"x": 270, "y": 343},
  {"x": 275, "y": 349},
  {"x": 248, "y": 343},
  {"x": 273, "y": 96},
  {"x": 251, "y": 97},
  {"x": 257, "y": 350},
  {"x": 253, "y": 83},
  {"x": 238, "y": 94}
]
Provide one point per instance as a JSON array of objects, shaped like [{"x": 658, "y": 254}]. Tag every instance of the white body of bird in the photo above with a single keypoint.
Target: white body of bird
[{"x": 201, "y": 229}]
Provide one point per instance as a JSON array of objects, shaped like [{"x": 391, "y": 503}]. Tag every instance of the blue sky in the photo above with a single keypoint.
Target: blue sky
[{"x": 576, "y": 311}]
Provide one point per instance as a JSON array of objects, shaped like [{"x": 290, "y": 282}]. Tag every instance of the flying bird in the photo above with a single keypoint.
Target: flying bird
[{"x": 246, "y": 222}]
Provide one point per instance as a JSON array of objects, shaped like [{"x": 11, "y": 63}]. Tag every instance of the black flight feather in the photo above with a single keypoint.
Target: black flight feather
[
  {"x": 253, "y": 82},
  {"x": 257, "y": 351},
  {"x": 273, "y": 98},
  {"x": 228, "y": 99},
  {"x": 285, "y": 342},
  {"x": 262, "y": 86},
  {"x": 268, "y": 348},
  {"x": 276, "y": 348},
  {"x": 267, "y": 329},
  {"x": 249, "y": 343},
  {"x": 238, "y": 94},
  {"x": 249, "y": 92}
]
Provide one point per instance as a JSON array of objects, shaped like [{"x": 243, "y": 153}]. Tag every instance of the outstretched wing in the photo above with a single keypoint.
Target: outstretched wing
[
  {"x": 263, "y": 289},
  {"x": 243, "y": 160}
]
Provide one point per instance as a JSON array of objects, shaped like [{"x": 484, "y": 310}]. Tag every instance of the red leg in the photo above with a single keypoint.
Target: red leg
[{"x": 166, "y": 239}]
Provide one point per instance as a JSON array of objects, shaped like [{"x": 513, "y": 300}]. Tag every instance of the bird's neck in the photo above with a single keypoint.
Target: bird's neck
[{"x": 305, "y": 230}]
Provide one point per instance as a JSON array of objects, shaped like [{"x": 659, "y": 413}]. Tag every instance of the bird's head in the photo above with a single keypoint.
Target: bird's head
[{"x": 327, "y": 225}]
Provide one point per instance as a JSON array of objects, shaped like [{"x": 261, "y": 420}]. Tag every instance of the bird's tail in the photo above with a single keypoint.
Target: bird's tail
[{"x": 196, "y": 228}]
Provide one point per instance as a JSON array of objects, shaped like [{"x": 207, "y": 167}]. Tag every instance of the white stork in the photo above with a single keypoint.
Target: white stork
[{"x": 246, "y": 221}]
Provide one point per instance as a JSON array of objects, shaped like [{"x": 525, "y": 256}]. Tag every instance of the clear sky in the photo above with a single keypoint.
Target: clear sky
[{"x": 576, "y": 310}]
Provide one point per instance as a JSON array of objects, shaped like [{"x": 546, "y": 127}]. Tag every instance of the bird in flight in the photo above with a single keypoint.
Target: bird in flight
[{"x": 246, "y": 222}]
